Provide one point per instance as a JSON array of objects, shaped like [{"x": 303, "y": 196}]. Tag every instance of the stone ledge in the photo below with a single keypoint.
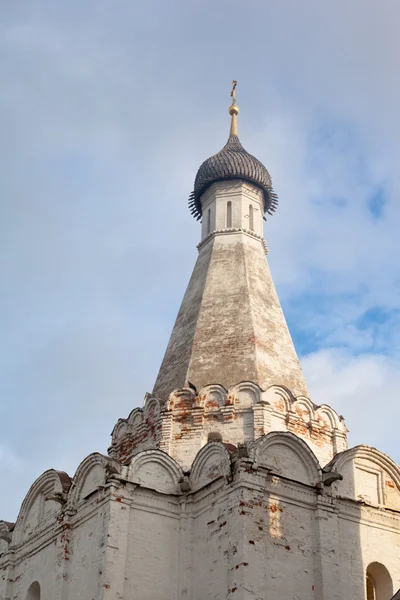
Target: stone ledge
[{"x": 230, "y": 231}]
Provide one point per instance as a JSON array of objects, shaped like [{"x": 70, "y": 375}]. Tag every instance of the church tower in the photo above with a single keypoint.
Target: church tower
[
  {"x": 229, "y": 483},
  {"x": 230, "y": 327}
]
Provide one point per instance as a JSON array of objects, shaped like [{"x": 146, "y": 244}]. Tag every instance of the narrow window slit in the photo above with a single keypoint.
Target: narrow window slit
[{"x": 229, "y": 214}]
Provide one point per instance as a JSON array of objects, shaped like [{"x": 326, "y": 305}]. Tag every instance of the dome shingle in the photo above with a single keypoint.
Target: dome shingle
[{"x": 232, "y": 162}]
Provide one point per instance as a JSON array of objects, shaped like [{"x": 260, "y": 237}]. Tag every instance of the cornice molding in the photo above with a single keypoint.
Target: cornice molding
[{"x": 231, "y": 231}]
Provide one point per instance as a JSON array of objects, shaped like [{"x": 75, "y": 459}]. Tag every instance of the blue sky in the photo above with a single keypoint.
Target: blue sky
[{"x": 107, "y": 109}]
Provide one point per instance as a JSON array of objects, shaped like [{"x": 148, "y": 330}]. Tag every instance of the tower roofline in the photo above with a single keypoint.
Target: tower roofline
[{"x": 232, "y": 162}]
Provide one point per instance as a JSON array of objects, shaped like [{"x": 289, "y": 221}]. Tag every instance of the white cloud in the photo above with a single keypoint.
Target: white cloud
[{"x": 364, "y": 389}]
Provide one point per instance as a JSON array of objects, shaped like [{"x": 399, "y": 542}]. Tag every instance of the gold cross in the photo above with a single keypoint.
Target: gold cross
[{"x": 233, "y": 92}]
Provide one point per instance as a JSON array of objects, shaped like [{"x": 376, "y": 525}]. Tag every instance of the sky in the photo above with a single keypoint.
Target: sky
[{"x": 107, "y": 109}]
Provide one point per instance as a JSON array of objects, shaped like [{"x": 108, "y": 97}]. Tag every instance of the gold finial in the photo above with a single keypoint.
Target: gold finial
[
  {"x": 233, "y": 109},
  {"x": 233, "y": 92}
]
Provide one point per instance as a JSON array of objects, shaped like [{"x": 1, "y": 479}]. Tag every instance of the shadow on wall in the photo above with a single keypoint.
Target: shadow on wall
[
  {"x": 33, "y": 592},
  {"x": 379, "y": 583}
]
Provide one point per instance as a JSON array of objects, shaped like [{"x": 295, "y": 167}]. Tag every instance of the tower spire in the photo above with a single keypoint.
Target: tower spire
[
  {"x": 233, "y": 110},
  {"x": 230, "y": 327}
]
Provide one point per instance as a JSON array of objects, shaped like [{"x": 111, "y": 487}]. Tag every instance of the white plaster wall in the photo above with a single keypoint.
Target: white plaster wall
[
  {"x": 152, "y": 551},
  {"x": 87, "y": 558},
  {"x": 252, "y": 528},
  {"x": 212, "y": 547},
  {"x": 40, "y": 566},
  {"x": 252, "y": 196},
  {"x": 210, "y": 205},
  {"x": 321, "y": 445},
  {"x": 252, "y": 546},
  {"x": 241, "y": 195},
  {"x": 67, "y": 561},
  {"x": 281, "y": 560},
  {"x": 362, "y": 544}
]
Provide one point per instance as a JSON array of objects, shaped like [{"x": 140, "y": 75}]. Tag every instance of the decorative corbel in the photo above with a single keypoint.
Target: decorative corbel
[
  {"x": 330, "y": 476},
  {"x": 60, "y": 497}
]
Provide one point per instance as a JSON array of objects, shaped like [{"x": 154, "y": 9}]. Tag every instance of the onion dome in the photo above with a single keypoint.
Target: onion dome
[{"x": 232, "y": 162}]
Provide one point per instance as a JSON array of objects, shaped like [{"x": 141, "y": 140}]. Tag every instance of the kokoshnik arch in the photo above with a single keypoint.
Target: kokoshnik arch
[{"x": 230, "y": 482}]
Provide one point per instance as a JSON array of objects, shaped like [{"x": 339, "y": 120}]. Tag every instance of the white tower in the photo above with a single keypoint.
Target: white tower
[
  {"x": 230, "y": 327},
  {"x": 229, "y": 483}
]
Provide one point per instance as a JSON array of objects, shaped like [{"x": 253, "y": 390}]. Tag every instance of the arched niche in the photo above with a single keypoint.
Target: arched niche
[
  {"x": 303, "y": 409},
  {"x": 246, "y": 394},
  {"x": 90, "y": 476},
  {"x": 152, "y": 409},
  {"x": 139, "y": 431},
  {"x": 379, "y": 585},
  {"x": 368, "y": 476},
  {"x": 279, "y": 398},
  {"x": 287, "y": 455},
  {"x": 211, "y": 463},
  {"x": 329, "y": 418},
  {"x": 119, "y": 431},
  {"x": 181, "y": 400},
  {"x": 42, "y": 503},
  {"x": 212, "y": 397},
  {"x": 155, "y": 470},
  {"x": 33, "y": 591}
]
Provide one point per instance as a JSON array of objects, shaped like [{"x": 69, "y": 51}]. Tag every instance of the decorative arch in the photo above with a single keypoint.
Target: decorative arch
[
  {"x": 135, "y": 417},
  {"x": 90, "y": 476},
  {"x": 327, "y": 414},
  {"x": 138, "y": 416},
  {"x": 44, "y": 499},
  {"x": 139, "y": 431},
  {"x": 120, "y": 429},
  {"x": 33, "y": 591},
  {"x": 151, "y": 408},
  {"x": 246, "y": 394},
  {"x": 379, "y": 585},
  {"x": 182, "y": 399},
  {"x": 212, "y": 397},
  {"x": 156, "y": 470},
  {"x": 210, "y": 463},
  {"x": 279, "y": 397},
  {"x": 303, "y": 406},
  {"x": 362, "y": 468},
  {"x": 286, "y": 454}
]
